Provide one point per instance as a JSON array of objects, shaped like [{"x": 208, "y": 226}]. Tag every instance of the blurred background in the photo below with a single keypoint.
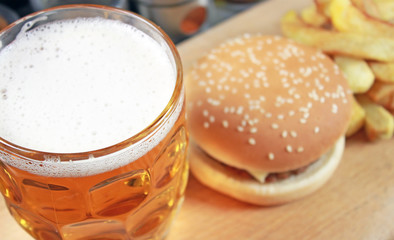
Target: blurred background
[{"x": 180, "y": 19}]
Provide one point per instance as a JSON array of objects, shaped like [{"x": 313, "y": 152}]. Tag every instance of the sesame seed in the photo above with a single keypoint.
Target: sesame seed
[
  {"x": 291, "y": 113},
  {"x": 212, "y": 119},
  {"x": 240, "y": 129},
  {"x": 225, "y": 123},
  {"x": 307, "y": 72},
  {"x": 268, "y": 115},
  {"x": 206, "y": 125},
  {"x": 317, "y": 129},
  {"x": 271, "y": 156},
  {"x": 281, "y": 117},
  {"x": 334, "y": 108},
  {"x": 205, "y": 113},
  {"x": 252, "y": 141},
  {"x": 284, "y": 134},
  {"x": 293, "y": 134},
  {"x": 203, "y": 65},
  {"x": 303, "y": 120},
  {"x": 240, "y": 110},
  {"x": 275, "y": 126},
  {"x": 303, "y": 109},
  {"x": 253, "y": 130},
  {"x": 289, "y": 148},
  {"x": 300, "y": 149},
  {"x": 202, "y": 83}
]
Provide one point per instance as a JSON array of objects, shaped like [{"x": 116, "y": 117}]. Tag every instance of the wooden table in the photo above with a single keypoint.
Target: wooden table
[{"x": 357, "y": 203}]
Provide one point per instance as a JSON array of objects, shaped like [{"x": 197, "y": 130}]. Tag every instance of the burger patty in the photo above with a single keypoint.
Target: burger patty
[
  {"x": 274, "y": 177},
  {"x": 270, "y": 178}
]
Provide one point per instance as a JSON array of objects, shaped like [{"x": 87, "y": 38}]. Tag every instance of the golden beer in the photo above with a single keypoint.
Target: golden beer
[{"x": 128, "y": 189}]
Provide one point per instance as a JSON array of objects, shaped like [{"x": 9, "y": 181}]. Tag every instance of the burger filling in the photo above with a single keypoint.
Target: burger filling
[
  {"x": 265, "y": 177},
  {"x": 260, "y": 176}
]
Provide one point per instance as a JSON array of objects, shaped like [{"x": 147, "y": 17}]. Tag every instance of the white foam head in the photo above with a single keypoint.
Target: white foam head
[{"x": 81, "y": 85}]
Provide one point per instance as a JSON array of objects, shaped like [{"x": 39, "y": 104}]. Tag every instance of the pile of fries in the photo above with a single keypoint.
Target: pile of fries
[{"x": 359, "y": 36}]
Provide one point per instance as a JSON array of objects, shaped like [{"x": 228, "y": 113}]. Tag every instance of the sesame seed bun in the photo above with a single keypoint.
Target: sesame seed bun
[{"x": 266, "y": 104}]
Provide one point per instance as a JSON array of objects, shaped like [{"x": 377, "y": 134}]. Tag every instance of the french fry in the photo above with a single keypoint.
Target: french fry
[
  {"x": 345, "y": 43},
  {"x": 368, "y": 7},
  {"x": 357, "y": 119},
  {"x": 383, "y": 72},
  {"x": 379, "y": 123},
  {"x": 383, "y": 94},
  {"x": 322, "y": 6},
  {"x": 347, "y": 18},
  {"x": 386, "y": 9},
  {"x": 312, "y": 16},
  {"x": 357, "y": 73}
]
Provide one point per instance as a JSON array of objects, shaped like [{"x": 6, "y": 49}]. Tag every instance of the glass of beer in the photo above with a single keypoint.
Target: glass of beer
[{"x": 92, "y": 125}]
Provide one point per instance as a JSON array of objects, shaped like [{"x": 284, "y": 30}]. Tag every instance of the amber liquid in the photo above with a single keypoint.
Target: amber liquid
[{"x": 136, "y": 201}]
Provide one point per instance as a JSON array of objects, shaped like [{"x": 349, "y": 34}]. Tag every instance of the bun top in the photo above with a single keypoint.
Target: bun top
[{"x": 266, "y": 103}]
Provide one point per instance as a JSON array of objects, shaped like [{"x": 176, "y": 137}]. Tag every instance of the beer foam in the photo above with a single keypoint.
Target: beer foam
[{"x": 81, "y": 85}]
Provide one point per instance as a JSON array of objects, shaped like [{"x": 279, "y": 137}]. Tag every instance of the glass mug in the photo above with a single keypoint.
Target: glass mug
[{"x": 130, "y": 189}]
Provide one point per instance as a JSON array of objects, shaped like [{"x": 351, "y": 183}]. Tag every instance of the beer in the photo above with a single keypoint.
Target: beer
[{"x": 92, "y": 131}]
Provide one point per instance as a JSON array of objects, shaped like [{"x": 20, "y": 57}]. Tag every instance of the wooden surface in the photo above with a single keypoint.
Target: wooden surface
[{"x": 357, "y": 203}]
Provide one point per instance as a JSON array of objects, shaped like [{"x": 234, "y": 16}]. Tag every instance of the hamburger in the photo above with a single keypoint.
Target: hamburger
[{"x": 267, "y": 119}]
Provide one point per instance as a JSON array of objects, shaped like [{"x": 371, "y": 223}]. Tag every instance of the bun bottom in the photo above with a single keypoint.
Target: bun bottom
[{"x": 217, "y": 176}]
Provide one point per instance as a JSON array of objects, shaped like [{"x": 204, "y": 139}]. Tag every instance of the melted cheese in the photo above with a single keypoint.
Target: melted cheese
[{"x": 258, "y": 175}]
